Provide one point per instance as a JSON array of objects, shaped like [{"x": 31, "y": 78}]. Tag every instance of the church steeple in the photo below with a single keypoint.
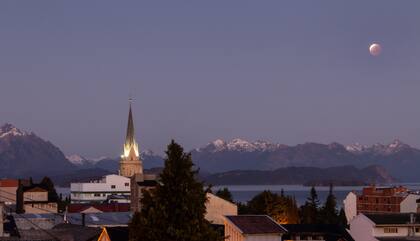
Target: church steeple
[
  {"x": 130, "y": 163},
  {"x": 129, "y": 139}
]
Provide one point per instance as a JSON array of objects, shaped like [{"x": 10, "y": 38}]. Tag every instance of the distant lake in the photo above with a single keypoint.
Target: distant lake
[{"x": 244, "y": 193}]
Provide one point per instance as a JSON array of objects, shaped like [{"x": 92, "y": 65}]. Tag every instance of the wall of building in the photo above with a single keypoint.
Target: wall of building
[
  {"x": 217, "y": 208},
  {"x": 265, "y": 237},
  {"x": 35, "y": 196},
  {"x": 8, "y": 195},
  {"x": 409, "y": 204},
  {"x": 380, "y": 232},
  {"x": 350, "y": 206},
  {"x": 381, "y": 200},
  {"x": 37, "y": 208},
  {"x": 232, "y": 233}
]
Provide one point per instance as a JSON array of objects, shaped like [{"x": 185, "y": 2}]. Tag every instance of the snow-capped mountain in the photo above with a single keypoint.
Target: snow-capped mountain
[
  {"x": 150, "y": 160},
  {"x": 76, "y": 159},
  {"x": 10, "y": 130},
  {"x": 239, "y": 144},
  {"x": 400, "y": 159},
  {"x": 23, "y": 153},
  {"x": 378, "y": 148}
]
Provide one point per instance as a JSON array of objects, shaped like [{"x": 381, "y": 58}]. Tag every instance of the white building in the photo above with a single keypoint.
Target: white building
[
  {"x": 390, "y": 226},
  {"x": 252, "y": 228},
  {"x": 99, "y": 190}
]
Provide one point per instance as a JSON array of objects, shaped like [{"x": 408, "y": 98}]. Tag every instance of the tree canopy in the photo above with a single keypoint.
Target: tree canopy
[{"x": 175, "y": 209}]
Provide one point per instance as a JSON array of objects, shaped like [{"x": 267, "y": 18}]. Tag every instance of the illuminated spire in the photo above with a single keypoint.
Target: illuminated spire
[{"x": 130, "y": 141}]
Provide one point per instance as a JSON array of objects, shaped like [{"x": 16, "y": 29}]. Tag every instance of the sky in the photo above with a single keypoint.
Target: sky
[{"x": 284, "y": 71}]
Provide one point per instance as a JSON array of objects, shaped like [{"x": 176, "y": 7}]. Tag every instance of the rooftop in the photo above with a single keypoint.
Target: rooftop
[
  {"x": 329, "y": 231},
  {"x": 103, "y": 207},
  {"x": 256, "y": 224},
  {"x": 9, "y": 183},
  {"x": 392, "y": 218}
]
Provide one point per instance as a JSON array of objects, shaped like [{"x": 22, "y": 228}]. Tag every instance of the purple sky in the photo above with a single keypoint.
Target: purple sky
[{"x": 285, "y": 71}]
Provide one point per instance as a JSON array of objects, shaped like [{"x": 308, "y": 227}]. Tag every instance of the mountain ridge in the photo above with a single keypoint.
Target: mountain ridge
[{"x": 24, "y": 153}]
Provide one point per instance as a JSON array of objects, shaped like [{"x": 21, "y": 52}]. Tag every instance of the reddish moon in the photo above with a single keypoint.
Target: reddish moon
[{"x": 375, "y": 49}]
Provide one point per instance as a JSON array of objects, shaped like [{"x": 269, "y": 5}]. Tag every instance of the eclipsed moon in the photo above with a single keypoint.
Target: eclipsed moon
[{"x": 375, "y": 49}]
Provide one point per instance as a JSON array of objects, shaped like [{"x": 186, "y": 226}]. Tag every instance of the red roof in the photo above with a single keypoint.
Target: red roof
[
  {"x": 36, "y": 189},
  {"x": 9, "y": 183},
  {"x": 256, "y": 224},
  {"x": 104, "y": 207}
]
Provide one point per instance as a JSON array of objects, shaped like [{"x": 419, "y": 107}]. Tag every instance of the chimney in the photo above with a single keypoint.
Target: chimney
[
  {"x": 1, "y": 220},
  {"x": 83, "y": 219}
]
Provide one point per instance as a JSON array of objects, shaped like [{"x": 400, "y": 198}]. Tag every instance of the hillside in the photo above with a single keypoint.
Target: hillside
[{"x": 343, "y": 175}]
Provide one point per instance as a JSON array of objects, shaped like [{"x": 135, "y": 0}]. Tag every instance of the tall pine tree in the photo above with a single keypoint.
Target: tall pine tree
[
  {"x": 310, "y": 210},
  {"x": 225, "y": 194},
  {"x": 329, "y": 213},
  {"x": 175, "y": 209}
]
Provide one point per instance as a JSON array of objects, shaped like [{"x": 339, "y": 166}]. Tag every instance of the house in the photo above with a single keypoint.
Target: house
[
  {"x": 34, "y": 199},
  {"x": 323, "y": 232},
  {"x": 374, "y": 199},
  {"x": 252, "y": 228},
  {"x": 385, "y": 226},
  {"x": 100, "y": 190}
]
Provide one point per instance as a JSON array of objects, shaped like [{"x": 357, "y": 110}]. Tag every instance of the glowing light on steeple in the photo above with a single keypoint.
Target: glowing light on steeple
[{"x": 130, "y": 146}]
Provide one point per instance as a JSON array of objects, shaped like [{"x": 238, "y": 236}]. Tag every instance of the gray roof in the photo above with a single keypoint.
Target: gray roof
[
  {"x": 392, "y": 218},
  {"x": 62, "y": 232},
  {"x": 256, "y": 224},
  {"x": 398, "y": 238},
  {"x": 91, "y": 219}
]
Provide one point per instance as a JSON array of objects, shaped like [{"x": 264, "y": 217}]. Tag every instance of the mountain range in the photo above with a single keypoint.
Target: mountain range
[
  {"x": 401, "y": 160},
  {"x": 23, "y": 154}
]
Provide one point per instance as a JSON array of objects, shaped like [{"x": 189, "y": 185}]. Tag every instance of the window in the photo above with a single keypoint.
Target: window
[
  {"x": 126, "y": 184},
  {"x": 390, "y": 230},
  {"x": 112, "y": 186},
  {"x": 417, "y": 230},
  {"x": 97, "y": 195}
]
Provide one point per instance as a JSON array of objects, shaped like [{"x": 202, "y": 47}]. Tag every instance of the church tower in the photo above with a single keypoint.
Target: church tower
[{"x": 130, "y": 163}]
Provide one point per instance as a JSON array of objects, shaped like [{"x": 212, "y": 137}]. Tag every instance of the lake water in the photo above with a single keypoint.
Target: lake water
[{"x": 244, "y": 193}]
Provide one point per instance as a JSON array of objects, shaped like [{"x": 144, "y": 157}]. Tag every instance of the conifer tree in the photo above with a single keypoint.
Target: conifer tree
[
  {"x": 175, "y": 209},
  {"x": 310, "y": 210},
  {"x": 48, "y": 184},
  {"x": 225, "y": 194},
  {"x": 329, "y": 212},
  {"x": 342, "y": 220},
  {"x": 283, "y": 209}
]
